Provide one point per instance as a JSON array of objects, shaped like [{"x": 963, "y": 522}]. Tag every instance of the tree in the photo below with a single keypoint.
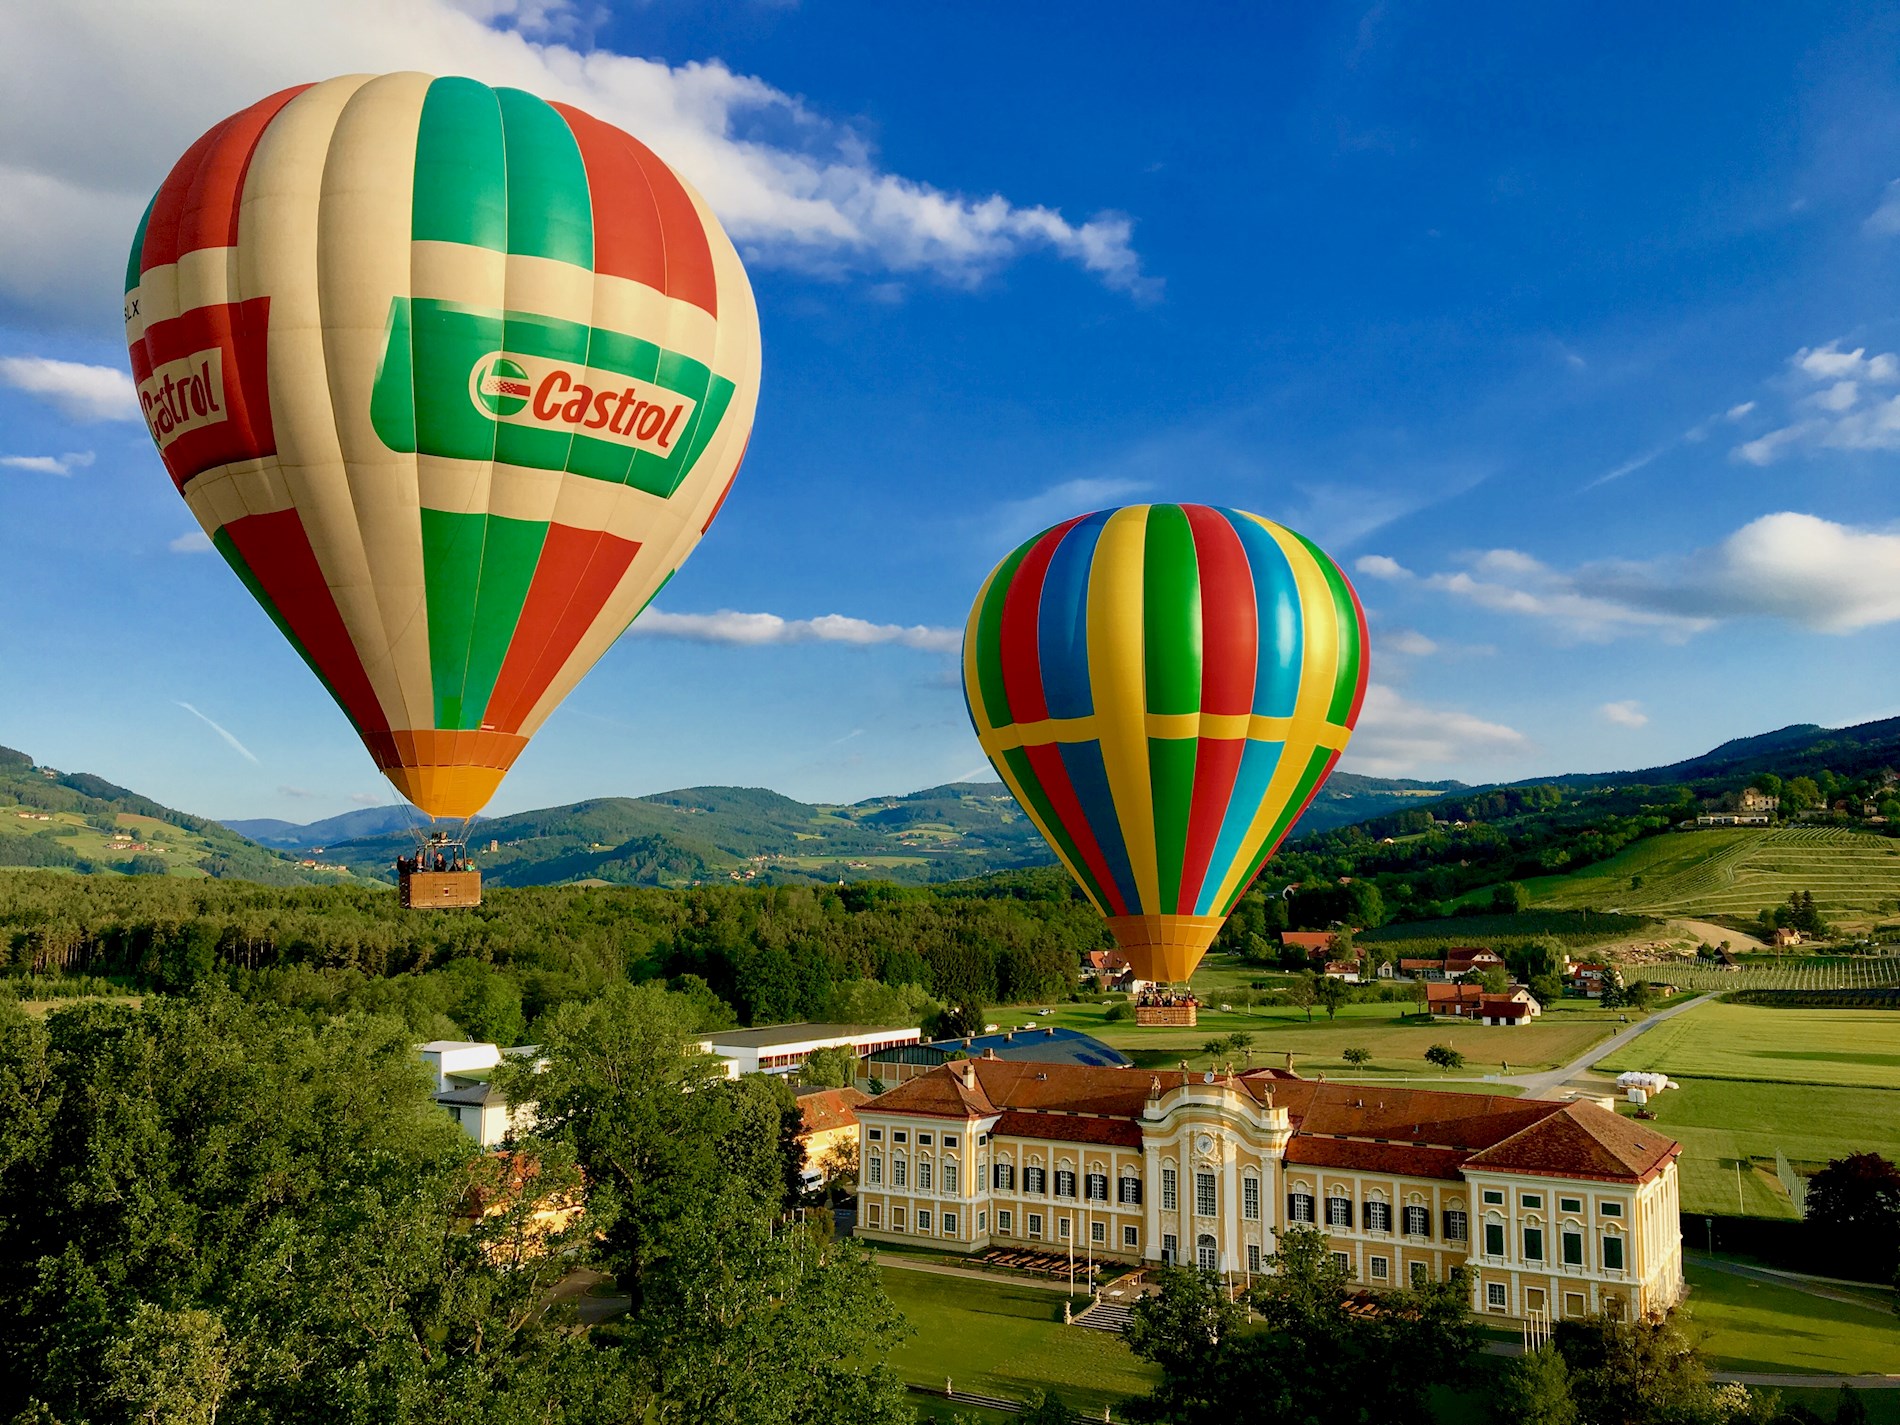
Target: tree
[
  {"x": 1301, "y": 994},
  {"x": 1241, "y": 1042},
  {"x": 1117, "y": 1011},
  {"x": 1535, "y": 1390},
  {"x": 1853, "y": 1210},
  {"x": 959, "y": 1019},
  {"x": 1331, "y": 993},
  {"x": 829, "y": 1068},
  {"x": 1634, "y": 1372},
  {"x": 1180, "y": 1326},
  {"x": 1640, "y": 995},
  {"x": 1356, "y": 1056},
  {"x": 1800, "y": 794},
  {"x": 1494, "y": 981},
  {"x": 1046, "y": 1408},
  {"x": 1445, "y": 1057},
  {"x": 1546, "y": 989},
  {"x": 1510, "y": 899},
  {"x": 1419, "y": 995}
]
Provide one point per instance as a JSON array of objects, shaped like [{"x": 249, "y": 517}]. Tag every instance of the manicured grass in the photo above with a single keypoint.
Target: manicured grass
[
  {"x": 1721, "y": 1123},
  {"x": 1855, "y": 1047},
  {"x": 1005, "y": 1340},
  {"x": 1764, "y": 1326},
  {"x": 1853, "y": 876}
]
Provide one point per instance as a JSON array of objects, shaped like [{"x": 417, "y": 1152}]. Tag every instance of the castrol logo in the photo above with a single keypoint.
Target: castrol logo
[
  {"x": 184, "y": 395},
  {"x": 562, "y": 396}
]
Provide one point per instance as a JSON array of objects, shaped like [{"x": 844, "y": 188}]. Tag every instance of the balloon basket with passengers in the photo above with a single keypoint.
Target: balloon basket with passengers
[
  {"x": 439, "y": 876},
  {"x": 1164, "y": 689}
]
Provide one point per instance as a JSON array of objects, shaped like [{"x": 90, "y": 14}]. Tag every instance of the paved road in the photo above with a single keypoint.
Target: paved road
[
  {"x": 1552, "y": 1083},
  {"x": 1872, "y": 1297},
  {"x": 938, "y": 1269}
]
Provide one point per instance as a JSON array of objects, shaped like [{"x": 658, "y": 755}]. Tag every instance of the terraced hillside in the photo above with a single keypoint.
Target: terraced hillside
[{"x": 1854, "y": 877}]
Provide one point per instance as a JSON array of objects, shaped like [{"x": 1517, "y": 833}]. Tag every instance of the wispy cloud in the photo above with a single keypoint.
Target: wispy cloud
[
  {"x": 369, "y": 799},
  {"x": 49, "y": 464},
  {"x": 230, "y": 741},
  {"x": 192, "y": 541},
  {"x": 1016, "y": 520},
  {"x": 78, "y": 391},
  {"x": 1627, "y": 713},
  {"x": 1397, "y": 737},
  {"x": 295, "y": 793},
  {"x": 1884, "y": 221},
  {"x": 1408, "y": 641},
  {"x": 1380, "y": 566},
  {"x": 794, "y": 186},
  {"x": 1838, "y": 400},
  {"x": 758, "y": 629}
]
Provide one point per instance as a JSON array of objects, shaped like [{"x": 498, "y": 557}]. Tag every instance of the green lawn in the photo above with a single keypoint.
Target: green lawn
[
  {"x": 1722, "y": 1123},
  {"x": 1855, "y": 1047},
  {"x": 1007, "y": 1340},
  {"x": 1763, "y": 1326}
]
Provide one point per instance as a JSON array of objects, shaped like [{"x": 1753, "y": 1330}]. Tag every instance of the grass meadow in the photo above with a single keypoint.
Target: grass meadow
[{"x": 1855, "y": 1047}]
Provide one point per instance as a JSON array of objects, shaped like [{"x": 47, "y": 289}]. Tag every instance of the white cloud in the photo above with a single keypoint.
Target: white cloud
[
  {"x": 1836, "y": 404},
  {"x": 229, "y": 740},
  {"x": 1797, "y": 568},
  {"x": 1884, "y": 221},
  {"x": 755, "y": 630},
  {"x": 49, "y": 464},
  {"x": 369, "y": 799},
  {"x": 194, "y": 541},
  {"x": 99, "y": 102},
  {"x": 296, "y": 793},
  {"x": 1397, "y": 737},
  {"x": 1627, "y": 713},
  {"x": 79, "y": 392},
  {"x": 1379, "y": 566},
  {"x": 1408, "y": 641},
  {"x": 1735, "y": 413}
]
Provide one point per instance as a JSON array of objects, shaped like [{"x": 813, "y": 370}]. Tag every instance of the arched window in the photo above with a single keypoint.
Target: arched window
[{"x": 1206, "y": 1254}]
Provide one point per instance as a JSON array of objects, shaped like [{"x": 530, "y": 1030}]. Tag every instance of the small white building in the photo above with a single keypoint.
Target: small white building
[
  {"x": 448, "y": 1057},
  {"x": 783, "y": 1048},
  {"x": 461, "y": 1069}
]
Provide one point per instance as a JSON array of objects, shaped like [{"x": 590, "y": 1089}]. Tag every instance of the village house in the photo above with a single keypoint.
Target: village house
[
  {"x": 1109, "y": 970},
  {"x": 1318, "y": 944},
  {"x": 830, "y": 1121},
  {"x": 1586, "y": 978},
  {"x": 1457, "y": 961},
  {"x": 1517, "y": 1005},
  {"x": 1558, "y": 1210}
]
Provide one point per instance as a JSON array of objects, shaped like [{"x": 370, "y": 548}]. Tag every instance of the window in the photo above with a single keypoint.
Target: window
[
  {"x": 899, "y": 1135},
  {"x": 1033, "y": 1179},
  {"x": 1098, "y": 1232},
  {"x": 1250, "y": 1198},
  {"x": 923, "y": 1140},
  {"x": 1612, "y": 1253},
  {"x": 1533, "y": 1244},
  {"x": 1203, "y": 1194},
  {"x": 1003, "y": 1177},
  {"x": 873, "y": 1214},
  {"x": 1299, "y": 1206},
  {"x": 1005, "y": 1221},
  {"x": 982, "y": 1140},
  {"x": 1065, "y": 1183},
  {"x": 1170, "y": 1247},
  {"x": 1344, "y": 1263},
  {"x": 1572, "y": 1248},
  {"x": 1206, "y": 1254},
  {"x": 1378, "y": 1217},
  {"x": 1570, "y": 1204},
  {"x": 1418, "y": 1222},
  {"x": 1457, "y": 1225},
  {"x": 1494, "y": 1239},
  {"x": 1128, "y": 1189},
  {"x": 923, "y": 1220},
  {"x": 1035, "y": 1225},
  {"x": 1097, "y": 1188},
  {"x": 923, "y": 1175},
  {"x": 1379, "y": 1269},
  {"x": 900, "y": 1172},
  {"x": 1494, "y": 1197},
  {"x": 950, "y": 1177},
  {"x": 877, "y": 1135},
  {"x": 1494, "y": 1296},
  {"x": 982, "y": 1221},
  {"x": 1253, "y": 1256},
  {"x": 897, "y": 1219},
  {"x": 1339, "y": 1212},
  {"x": 1420, "y": 1274},
  {"x": 1573, "y": 1304},
  {"x": 1131, "y": 1238},
  {"x": 949, "y": 1140},
  {"x": 1062, "y": 1228},
  {"x": 1170, "y": 1191},
  {"x": 1531, "y": 1201},
  {"x": 949, "y": 1224},
  {"x": 1610, "y": 1209}
]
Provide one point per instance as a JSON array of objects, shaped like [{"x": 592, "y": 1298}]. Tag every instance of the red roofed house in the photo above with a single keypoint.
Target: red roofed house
[
  {"x": 1318, "y": 944},
  {"x": 830, "y": 1119},
  {"x": 1470, "y": 959},
  {"x": 1558, "y": 1209},
  {"x": 1516, "y": 1005}
]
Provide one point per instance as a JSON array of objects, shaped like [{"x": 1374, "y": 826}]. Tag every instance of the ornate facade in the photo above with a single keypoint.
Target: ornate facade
[{"x": 1558, "y": 1209}]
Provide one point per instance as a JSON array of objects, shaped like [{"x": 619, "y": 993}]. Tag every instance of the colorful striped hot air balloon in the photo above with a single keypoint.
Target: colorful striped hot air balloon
[
  {"x": 1164, "y": 688},
  {"x": 455, "y": 379}
]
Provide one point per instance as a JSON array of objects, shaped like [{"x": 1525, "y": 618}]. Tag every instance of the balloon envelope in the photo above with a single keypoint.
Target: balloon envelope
[
  {"x": 455, "y": 379},
  {"x": 1164, "y": 688}
]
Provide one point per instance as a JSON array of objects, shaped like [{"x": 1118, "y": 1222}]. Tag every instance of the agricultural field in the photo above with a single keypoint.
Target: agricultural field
[
  {"x": 1857, "y": 1048},
  {"x": 1806, "y": 972},
  {"x": 135, "y": 835},
  {"x": 1737, "y": 872},
  {"x": 1007, "y": 1340}
]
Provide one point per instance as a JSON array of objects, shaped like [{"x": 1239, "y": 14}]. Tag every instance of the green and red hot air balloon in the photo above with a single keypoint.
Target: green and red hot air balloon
[
  {"x": 1164, "y": 688},
  {"x": 455, "y": 379}
]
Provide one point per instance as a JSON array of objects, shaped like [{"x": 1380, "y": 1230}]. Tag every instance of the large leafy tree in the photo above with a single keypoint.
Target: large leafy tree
[{"x": 1853, "y": 1207}]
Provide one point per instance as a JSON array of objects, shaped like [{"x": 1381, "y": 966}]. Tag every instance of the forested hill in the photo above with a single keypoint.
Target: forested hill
[
  {"x": 706, "y": 834},
  {"x": 77, "y": 822}
]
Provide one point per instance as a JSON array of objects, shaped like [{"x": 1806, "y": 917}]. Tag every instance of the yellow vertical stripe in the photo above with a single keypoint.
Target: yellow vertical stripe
[
  {"x": 1319, "y": 627},
  {"x": 1117, "y": 684}
]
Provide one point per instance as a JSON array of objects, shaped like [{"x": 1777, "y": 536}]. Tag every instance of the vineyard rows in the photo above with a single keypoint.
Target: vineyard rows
[{"x": 1841, "y": 972}]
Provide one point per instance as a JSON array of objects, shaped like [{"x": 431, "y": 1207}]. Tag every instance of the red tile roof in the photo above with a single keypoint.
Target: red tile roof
[
  {"x": 826, "y": 1109},
  {"x": 1406, "y": 1159},
  {"x": 1581, "y": 1140},
  {"x": 1309, "y": 939},
  {"x": 1061, "y": 1128}
]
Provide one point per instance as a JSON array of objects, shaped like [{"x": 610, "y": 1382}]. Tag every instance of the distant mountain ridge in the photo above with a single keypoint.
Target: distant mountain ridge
[{"x": 348, "y": 826}]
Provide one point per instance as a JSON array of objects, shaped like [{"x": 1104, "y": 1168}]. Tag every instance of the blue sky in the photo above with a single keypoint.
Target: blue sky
[{"x": 1567, "y": 329}]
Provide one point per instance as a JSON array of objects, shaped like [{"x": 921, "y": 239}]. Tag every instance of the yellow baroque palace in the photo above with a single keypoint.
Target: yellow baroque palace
[{"x": 1558, "y": 1209}]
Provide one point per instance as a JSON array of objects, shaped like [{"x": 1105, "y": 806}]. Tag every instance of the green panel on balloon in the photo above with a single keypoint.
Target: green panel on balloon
[
  {"x": 476, "y": 572},
  {"x": 1171, "y": 617},
  {"x": 460, "y": 193},
  {"x": 1171, "y": 779}
]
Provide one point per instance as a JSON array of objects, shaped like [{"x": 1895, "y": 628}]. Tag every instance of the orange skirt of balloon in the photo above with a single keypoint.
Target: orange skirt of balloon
[{"x": 1164, "y": 948}]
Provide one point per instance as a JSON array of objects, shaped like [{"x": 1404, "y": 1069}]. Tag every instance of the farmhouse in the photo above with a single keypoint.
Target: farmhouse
[
  {"x": 1517, "y": 1005},
  {"x": 1557, "y": 1209},
  {"x": 1459, "y": 960},
  {"x": 1316, "y": 943}
]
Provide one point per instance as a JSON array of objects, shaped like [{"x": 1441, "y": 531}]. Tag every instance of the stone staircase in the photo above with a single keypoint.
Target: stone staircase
[{"x": 1104, "y": 1317}]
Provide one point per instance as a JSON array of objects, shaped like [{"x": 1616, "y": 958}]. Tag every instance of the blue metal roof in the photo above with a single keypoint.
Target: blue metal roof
[{"x": 1040, "y": 1046}]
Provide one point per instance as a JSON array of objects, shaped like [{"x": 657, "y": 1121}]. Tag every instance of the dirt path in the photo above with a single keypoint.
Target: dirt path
[{"x": 1713, "y": 934}]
